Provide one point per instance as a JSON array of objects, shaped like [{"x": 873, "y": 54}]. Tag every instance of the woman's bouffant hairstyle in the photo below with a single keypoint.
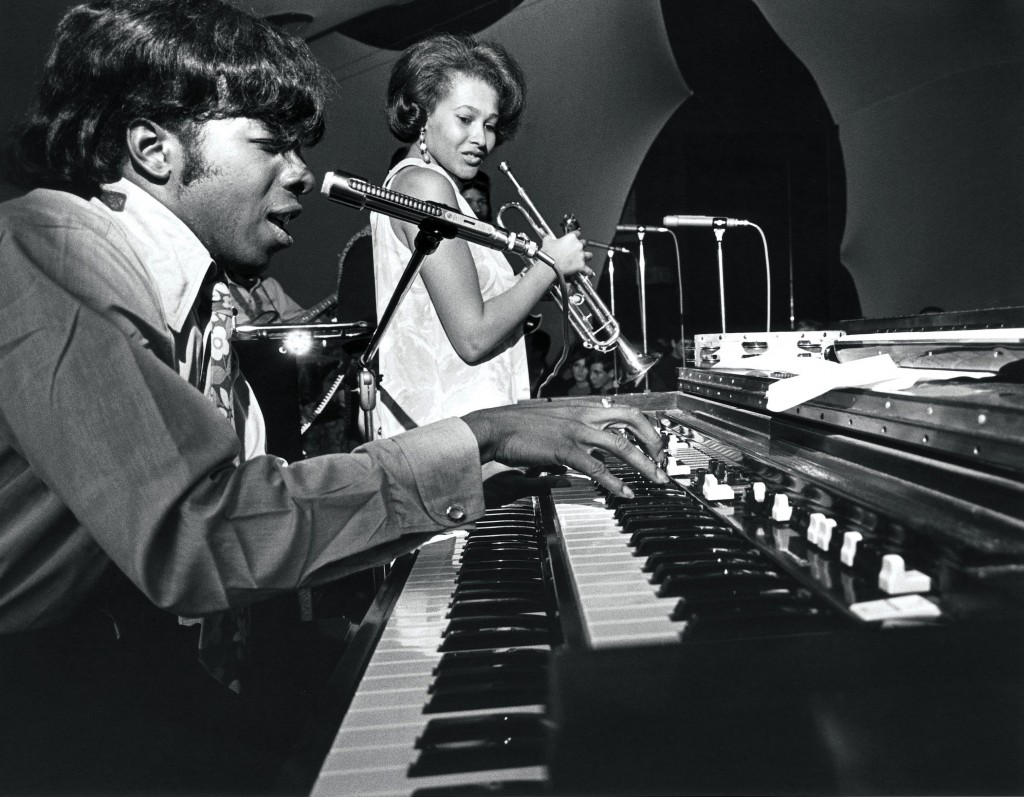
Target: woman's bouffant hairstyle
[
  {"x": 423, "y": 74},
  {"x": 177, "y": 63}
]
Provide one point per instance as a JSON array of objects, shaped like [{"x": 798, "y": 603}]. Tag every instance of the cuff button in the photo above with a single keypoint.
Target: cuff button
[{"x": 456, "y": 512}]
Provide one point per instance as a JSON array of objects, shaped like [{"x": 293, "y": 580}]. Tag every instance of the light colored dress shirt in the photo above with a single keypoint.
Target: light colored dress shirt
[
  {"x": 420, "y": 369},
  {"x": 107, "y": 455}
]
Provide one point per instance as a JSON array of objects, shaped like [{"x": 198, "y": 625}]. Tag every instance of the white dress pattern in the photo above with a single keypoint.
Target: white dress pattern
[{"x": 420, "y": 370}]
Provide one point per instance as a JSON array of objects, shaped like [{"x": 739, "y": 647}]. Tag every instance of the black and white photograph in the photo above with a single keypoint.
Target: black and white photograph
[{"x": 511, "y": 398}]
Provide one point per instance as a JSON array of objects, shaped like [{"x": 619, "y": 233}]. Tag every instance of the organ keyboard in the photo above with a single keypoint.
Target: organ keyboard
[
  {"x": 454, "y": 693},
  {"x": 810, "y": 608}
]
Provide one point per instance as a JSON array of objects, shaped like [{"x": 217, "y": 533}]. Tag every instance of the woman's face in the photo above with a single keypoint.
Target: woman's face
[
  {"x": 460, "y": 130},
  {"x": 580, "y": 371},
  {"x": 477, "y": 200}
]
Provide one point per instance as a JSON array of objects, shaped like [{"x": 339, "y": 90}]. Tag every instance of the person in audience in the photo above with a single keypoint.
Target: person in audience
[
  {"x": 477, "y": 193},
  {"x": 601, "y": 373},
  {"x": 580, "y": 372},
  {"x": 164, "y": 150}
]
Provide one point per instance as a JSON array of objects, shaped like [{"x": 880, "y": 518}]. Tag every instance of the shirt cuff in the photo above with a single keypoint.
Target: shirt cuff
[{"x": 444, "y": 463}]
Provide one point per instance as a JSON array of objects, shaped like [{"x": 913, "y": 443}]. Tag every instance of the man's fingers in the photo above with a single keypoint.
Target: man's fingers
[
  {"x": 581, "y": 461},
  {"x": 617, "y": 445},
  {"x": 621, "y": 417},
  {"x": 622, "y": 447}
]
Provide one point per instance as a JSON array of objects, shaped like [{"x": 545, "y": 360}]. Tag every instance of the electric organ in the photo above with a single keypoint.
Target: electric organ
[{"x": 826, "y": 600}]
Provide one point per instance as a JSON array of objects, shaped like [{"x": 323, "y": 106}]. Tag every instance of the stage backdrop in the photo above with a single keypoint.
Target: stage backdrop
[{"x": 929, "y": 99}]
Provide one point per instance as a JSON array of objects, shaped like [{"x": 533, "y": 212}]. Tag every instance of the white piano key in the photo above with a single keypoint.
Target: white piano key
[{"x": 618, "y": 604}]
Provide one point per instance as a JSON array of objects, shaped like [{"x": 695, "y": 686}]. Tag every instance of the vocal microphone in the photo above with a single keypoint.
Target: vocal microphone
[
  {"x": 703, "y": 221},
  {"x": 339, "y": 186},
  {"x": 638, "y": 228}
]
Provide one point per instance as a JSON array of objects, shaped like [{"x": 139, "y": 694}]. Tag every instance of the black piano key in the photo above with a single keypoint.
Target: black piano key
[
  {"x": 511, "y": 636},
  {"x": 472, "y": 660},
  {"x": 659, "y": 564},
  {"x": 498, "y": 623},
  {"x": 668, "y": 557},
  {"x": 501, "y": 543},
  {"x": 661, "y": 507},
  {"x": 519, "y": 526},
  {"x": 740, "y": 569},
  {"x": 674, "y": 526},
  {"x": 738, "y": 583},
  {"x": 501, "y": 605},
  {"x": 510, "y": 576},
  {"x": 473, "y": 697},
  {"x": 488, "y": 727},
  {"x": 679, "y": 569},
  {"x": 499, "y": 671},
  {"x": 507, "y": 568},
  {"x": 482, "y": 555},
  {"x": 488, "y": 532},
  {"x": 478, "y": 756},
  {"x": 651, "y": 543},
  {"x": 683, "y": 516},
  {"x": 647, "y": 497},
  {"x": 483, "y": 589},
  {"x": 534, "y": 678},
  {"x": 502, "y": 788}
]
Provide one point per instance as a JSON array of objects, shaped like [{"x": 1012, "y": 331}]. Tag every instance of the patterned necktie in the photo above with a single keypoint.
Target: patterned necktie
[{"x": 224, "y": 635}]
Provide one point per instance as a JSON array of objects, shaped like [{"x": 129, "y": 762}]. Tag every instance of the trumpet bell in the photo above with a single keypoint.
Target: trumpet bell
[{"x": 634, "y": 363}]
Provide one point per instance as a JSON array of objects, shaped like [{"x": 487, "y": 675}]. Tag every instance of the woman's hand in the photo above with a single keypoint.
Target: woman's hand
[{"x": 568, "y": 254}]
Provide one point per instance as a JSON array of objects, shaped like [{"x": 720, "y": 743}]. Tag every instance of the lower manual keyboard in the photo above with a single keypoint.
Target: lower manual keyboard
[{"x": 454, "y": 693}]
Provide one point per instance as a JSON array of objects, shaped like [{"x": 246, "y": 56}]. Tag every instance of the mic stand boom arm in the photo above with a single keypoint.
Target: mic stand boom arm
[{"x": 432, "y": 232}]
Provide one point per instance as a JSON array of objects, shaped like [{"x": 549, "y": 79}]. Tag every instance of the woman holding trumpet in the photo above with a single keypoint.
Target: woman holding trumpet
[{"x": 456, "y": 340}]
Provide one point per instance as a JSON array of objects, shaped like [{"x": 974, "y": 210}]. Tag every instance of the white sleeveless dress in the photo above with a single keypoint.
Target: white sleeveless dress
[{"x": 421, "y": 372}]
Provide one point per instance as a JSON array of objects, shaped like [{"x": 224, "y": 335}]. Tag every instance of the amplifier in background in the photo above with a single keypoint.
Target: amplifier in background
[{"x": 731, "y": 348}]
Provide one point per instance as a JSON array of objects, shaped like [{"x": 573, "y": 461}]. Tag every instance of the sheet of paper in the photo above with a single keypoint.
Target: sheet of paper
[{"x": 795, "y": 390}]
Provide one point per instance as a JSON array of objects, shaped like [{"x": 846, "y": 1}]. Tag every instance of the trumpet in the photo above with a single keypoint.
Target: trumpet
[{"x": 589, "y": 315}]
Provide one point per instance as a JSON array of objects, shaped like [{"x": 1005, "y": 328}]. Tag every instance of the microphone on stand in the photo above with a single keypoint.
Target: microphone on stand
[
  {"x": 356, "y": 193},
  {"x": 703, "y": 221},
  {"x": 638, "y": 228}
]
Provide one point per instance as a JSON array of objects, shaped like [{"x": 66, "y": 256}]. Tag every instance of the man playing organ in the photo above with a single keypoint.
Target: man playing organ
[{"x": 163, "y": 151}]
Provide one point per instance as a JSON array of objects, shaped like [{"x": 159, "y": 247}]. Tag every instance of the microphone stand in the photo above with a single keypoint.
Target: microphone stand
[
  {"x": 719, "y": 234},
  {"x": 643, "y": 298},
  {"x": 432, "y": 232},
  {"x": 611, "y": 295}
]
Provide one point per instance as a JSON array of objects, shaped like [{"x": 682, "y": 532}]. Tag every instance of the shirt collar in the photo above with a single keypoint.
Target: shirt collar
[{"x": 176, "y": 259}]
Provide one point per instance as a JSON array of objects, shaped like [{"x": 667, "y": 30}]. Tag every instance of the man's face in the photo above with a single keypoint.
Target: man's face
[
  {"x": 599, "y": 377},
  {"x": 237, "y": 190}
]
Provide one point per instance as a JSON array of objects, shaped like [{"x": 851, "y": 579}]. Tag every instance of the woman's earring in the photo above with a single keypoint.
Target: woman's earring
[{"x": 423, "y": 145}]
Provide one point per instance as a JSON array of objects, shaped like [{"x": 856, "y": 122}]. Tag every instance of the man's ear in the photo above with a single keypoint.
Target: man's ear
[{"x": 152, "y": 150}]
